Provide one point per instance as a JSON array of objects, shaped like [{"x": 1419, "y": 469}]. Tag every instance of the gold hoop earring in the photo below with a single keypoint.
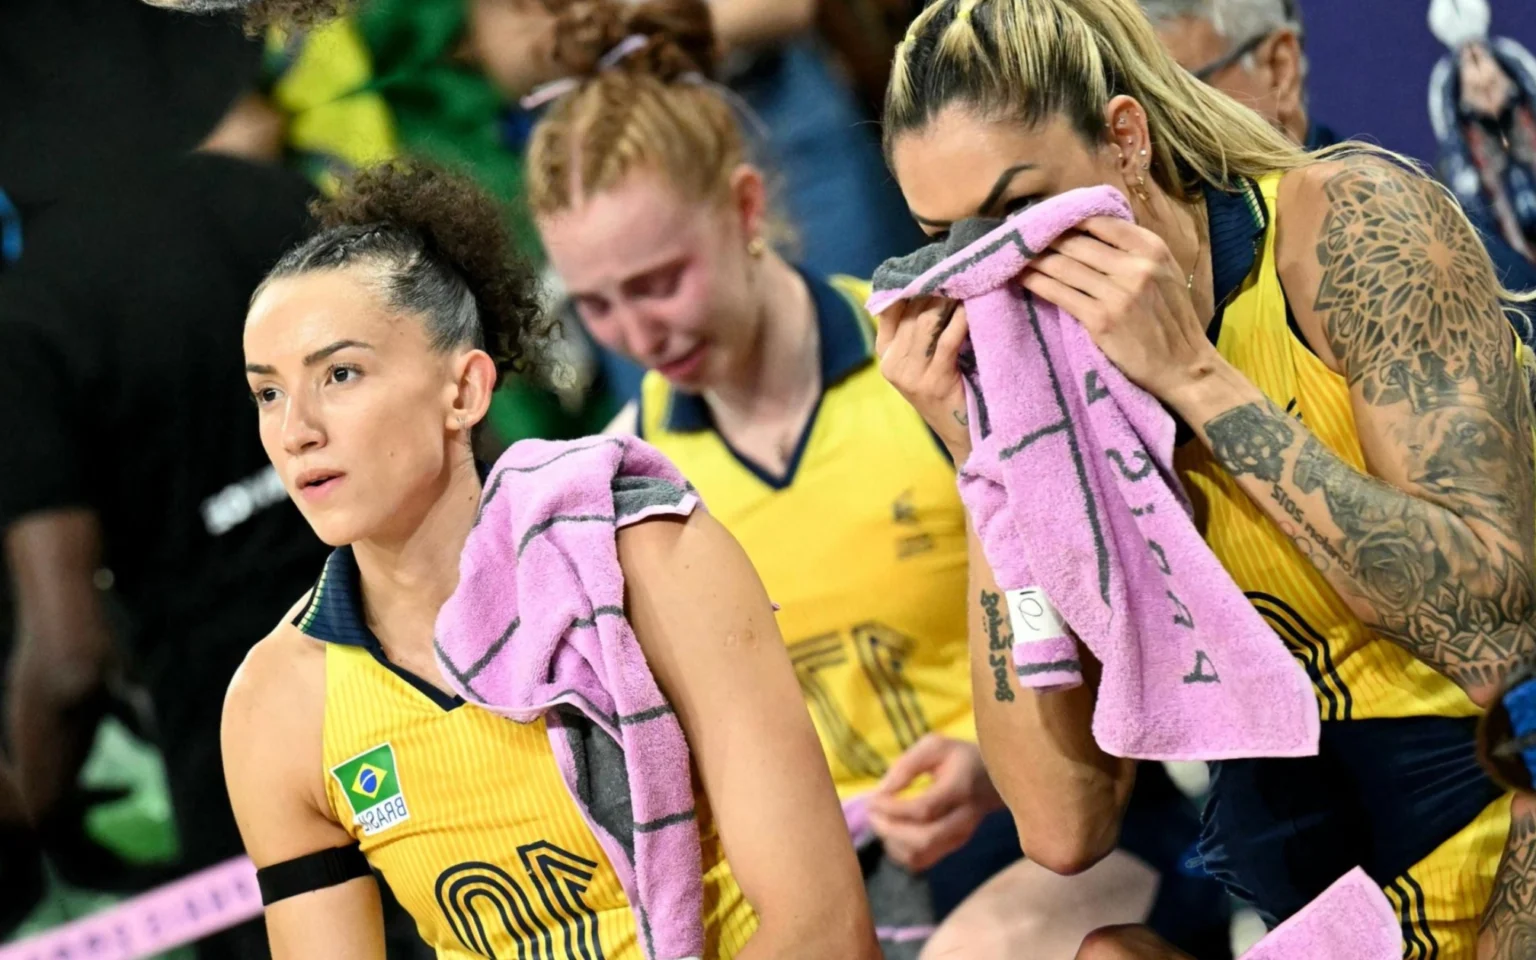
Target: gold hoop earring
[{"x": 756, "y": 247}]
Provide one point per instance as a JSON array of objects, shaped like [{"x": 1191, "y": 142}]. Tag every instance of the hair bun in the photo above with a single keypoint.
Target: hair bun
[
  {"x": 459, "y": 224},
  {"x": 679, "y": 37}
]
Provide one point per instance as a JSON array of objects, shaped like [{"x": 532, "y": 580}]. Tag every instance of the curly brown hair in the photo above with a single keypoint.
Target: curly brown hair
[
  {"x": 292, "y": 14},
  {"x": 679, "y": 36},
  {"x": 443, "y": 249}
]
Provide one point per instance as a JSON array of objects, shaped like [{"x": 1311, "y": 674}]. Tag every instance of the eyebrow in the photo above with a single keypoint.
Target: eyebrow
[
  {"x": 1003, "y": 180},
  {"x": 262, "y": 369}
]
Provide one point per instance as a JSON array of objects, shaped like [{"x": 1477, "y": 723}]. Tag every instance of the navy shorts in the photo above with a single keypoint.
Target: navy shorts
[{"x": 1381, "y": 794}]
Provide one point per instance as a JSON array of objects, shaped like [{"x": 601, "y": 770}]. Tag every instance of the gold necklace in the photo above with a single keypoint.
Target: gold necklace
[{"x": 1199, "y": 248}]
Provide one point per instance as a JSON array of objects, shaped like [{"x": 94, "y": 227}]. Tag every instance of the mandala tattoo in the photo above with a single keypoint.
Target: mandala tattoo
[
  {"x": 1409, "y": 304},
  {"x": 1405, "y": 290}
]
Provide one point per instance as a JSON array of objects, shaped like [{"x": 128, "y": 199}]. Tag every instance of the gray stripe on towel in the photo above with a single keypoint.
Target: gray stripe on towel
[
  {"x": 547, "y": 523},
  {"x": 661, "y": 823},
  {"x": 494, "y": 487},
  {"x": 1056, "y": 666},
  {"x": 646, "y": 716}
]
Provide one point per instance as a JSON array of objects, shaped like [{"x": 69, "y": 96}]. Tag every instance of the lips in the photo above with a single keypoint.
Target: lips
[
  {"x": 316, "y": 483},
  {"x": 684, "y": 366}
]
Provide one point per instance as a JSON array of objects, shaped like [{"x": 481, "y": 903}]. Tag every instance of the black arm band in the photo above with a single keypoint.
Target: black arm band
[{"x": 311, "y": 872}]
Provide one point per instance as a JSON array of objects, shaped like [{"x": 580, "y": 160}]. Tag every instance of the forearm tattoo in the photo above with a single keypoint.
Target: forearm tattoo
[
  {"x": 999, "y": 645},
  {"x": 1251, "y": 440},
  {"x": 1509, "y": 923},
  {"x": 1409, "y": 305}
]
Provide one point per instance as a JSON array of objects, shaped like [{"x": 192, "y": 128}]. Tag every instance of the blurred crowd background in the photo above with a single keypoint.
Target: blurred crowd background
[{"x": 98, "y": 96}]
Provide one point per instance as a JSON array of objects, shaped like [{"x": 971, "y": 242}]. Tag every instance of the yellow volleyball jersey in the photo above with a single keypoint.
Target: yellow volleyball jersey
[
  {"x": 467, "y": 816},
  {"x": 861, "y": 543},
  {"x": 1357, "y": 674}
]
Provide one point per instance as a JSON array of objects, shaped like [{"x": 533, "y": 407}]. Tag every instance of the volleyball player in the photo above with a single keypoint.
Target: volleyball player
[
  {"x": 372, "y": 351},
  {"x": 1331, "y": 331}
]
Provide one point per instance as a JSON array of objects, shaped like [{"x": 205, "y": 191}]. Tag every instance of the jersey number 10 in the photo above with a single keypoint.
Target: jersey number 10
[{"x": 477, "y": 898}]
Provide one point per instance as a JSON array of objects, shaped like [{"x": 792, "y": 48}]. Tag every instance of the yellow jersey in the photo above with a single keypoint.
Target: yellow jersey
[
  {"x": 861, "y": 543},
  {"x": 1357, "y": 674},
  {"x": 1397, "y": 740},
  {"x": 466, "y": 814}
]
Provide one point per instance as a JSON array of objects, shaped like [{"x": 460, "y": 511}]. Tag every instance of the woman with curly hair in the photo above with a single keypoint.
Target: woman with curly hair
[{"x": 372, "y": 350}]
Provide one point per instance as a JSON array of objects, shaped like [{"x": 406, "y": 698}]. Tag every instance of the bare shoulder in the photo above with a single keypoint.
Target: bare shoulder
[
  {"x": 273, "y": 745},
  {"x": 281, "y": 681},
  {"x": 1374, "y": 256},
  {"x": 669, "y": 548},
  {"x": 1329, "y": 208}
]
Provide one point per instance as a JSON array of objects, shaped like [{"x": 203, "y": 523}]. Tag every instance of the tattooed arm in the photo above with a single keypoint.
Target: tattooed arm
[
  {"x": 1509, "y": 925},
  {"x": 1066, "y": 795},
  {"x": 1433, "y": 550}
]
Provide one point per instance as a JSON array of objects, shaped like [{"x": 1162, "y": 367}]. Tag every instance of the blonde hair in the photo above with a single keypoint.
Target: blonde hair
[
  {"x": 649, "y": 110},
  {"x": 1028, "y": 60}
]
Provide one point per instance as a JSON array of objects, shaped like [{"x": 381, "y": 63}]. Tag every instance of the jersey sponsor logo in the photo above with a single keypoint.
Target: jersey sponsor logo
[
  {"x": 371, "y": 784},
  {"x": 904, "y": 514},
  {"x": 543, "y": 916}
]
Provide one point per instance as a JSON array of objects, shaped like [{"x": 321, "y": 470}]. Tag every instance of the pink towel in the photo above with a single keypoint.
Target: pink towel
[
  {"x": 1352, "y": 920},
  {"x": 1073, "y": 492},
  {"x": 537, "y": 628}
]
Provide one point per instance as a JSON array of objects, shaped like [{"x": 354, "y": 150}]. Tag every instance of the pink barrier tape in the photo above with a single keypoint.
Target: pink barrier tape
[
  {"x": 174, "y": 915},
  {"x": 883, "y": 934}
]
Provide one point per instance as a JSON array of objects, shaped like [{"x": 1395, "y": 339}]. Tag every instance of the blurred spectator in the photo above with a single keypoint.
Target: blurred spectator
[
  {"x": 21, "y": 862},
  {"x": 84, "y": 83},
  {"x": 132, "y": 459},
  {"x": 1253, "y": 51},
  {"x": 394, "y": 77},
  {"x": 1482, "y": 100}
]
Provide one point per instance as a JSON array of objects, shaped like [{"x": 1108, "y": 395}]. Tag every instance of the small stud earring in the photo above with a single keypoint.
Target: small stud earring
[
  {"x": 756, "y": 247},
  {"x": 1141, "y": 189}
]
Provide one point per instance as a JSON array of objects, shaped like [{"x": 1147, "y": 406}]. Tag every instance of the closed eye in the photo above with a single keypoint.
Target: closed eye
[
  {"x": 1019, "y": 203},
  {"x": 658, "y": 283}
]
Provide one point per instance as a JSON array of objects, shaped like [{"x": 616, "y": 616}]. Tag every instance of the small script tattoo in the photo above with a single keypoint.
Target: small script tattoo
[
  {"x": 1251, "y": 440},
  {"x": 1309, "y": 538},
  {"x": 1000, "y": 643}
]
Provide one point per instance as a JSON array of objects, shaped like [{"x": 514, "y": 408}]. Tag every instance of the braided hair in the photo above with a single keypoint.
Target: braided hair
[
  {"x": 644, "y": 109},
  {"x": 437, "y": 248}
]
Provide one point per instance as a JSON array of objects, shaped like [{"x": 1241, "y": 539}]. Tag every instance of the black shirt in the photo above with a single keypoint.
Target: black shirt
[
  {"x": 122, "y": 390},
  {"x": 84, "y": 83}
]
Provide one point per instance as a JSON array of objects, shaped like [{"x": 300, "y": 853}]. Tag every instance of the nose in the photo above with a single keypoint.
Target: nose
[
  {"x": 301, "y": 428},
  {"x": 643, "y": 338}
]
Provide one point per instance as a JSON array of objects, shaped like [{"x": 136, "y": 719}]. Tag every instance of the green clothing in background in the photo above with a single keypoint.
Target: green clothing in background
[{"x": 386, "y": 81}]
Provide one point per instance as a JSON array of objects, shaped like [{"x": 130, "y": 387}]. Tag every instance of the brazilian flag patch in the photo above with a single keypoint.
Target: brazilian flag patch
[{"x": 371, "y": 784}]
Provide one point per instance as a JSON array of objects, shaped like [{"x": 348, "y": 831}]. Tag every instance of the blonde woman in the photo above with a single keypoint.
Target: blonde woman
[{"x": 1359, "y": 449}]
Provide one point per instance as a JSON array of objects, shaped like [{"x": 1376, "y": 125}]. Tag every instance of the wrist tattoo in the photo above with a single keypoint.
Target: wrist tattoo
[{"x": 1000, "y": 645}]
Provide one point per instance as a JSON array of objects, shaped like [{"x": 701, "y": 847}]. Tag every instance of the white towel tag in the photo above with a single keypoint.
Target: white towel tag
[{"x": 1034, "y": 616}]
